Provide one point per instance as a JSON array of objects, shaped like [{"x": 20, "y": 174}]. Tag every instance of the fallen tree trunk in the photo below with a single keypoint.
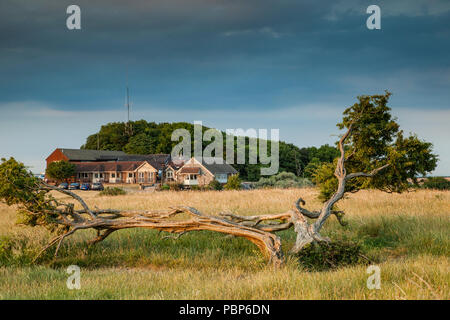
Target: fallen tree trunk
[
  {"x": 108, "y": 221},
  {"x": 258, "y": 229}
]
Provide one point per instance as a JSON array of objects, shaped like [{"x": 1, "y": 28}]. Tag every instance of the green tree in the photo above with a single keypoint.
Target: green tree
[
  {"x": 373, "y": 154},
  {"x": 312, "y": 167},
  {"x": 140, "y": 144},
  {"x": 215, "y": 185},
  {"x": 234, "y": 183},
  {"x": 60, "y": 170},
  {"x": 375, "y": 144},
  {"x": 438, "y": 183}
]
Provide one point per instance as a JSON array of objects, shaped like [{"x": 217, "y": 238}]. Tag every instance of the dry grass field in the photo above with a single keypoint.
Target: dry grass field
[{"x": 406, "y": 235}]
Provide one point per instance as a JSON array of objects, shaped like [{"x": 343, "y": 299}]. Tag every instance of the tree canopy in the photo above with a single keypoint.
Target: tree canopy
[
  {"x": 60, "y": 170},
  {"x": 375, "y": 140},
  {"x": 151, "y": 137}
]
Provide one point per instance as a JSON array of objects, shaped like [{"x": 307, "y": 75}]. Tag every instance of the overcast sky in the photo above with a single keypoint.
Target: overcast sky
[{"x": 292, "y": 65}]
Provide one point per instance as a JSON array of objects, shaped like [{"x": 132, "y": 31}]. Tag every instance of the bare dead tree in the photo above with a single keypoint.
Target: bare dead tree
[{"x": 107, "y": 221}]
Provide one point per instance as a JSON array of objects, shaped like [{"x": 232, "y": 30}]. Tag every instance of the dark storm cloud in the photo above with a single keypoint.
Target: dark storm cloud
[
  {"x": 216, "y": 54},
  {"x": 285, "y": 64}
]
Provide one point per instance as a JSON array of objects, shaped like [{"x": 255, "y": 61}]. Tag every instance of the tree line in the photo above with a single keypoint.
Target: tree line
[{"x": 143, "y": 137}]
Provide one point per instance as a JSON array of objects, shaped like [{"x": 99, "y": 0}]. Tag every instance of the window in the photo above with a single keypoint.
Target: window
[
  {"x": 130, "y": 174},
  {"x": 96, "y": 175},
  {"x": 113, "y": 175}
]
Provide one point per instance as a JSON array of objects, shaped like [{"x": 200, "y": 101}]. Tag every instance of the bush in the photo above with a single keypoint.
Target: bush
[
  {"x": 234, "y": 183},
  {"x": 327, "y": 256},
  {"x": 165, "y": 187},
  {"x": 438, "y": 183},
  {"x": 175, "y": 186},
  {"x": 15, "y": 252},
  {"x": 283, "y": 180},
  {"x": 215, "y": 185},
  {"x": 112, "y": 191}
]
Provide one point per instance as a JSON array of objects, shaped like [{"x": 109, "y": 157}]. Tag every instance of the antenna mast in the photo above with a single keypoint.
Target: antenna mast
[{"x": 128, "y": 128}]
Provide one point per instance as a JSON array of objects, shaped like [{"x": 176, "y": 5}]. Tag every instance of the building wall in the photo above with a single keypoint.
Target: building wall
[
  {"x": 146, "y": 174},
  {"x": 204, "y": 178},
  {"x": 56, "y": 155}
]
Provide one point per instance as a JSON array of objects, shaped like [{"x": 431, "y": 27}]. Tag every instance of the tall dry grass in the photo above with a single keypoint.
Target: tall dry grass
[{"x": 407, "y": 235}]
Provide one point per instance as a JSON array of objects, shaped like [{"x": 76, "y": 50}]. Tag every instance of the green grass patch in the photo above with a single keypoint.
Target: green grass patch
[{"x": 112, "y": 191}]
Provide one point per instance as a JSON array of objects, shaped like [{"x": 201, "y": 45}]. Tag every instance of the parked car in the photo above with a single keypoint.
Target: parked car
[
  {"x": 74, "y": 186},
  {"x": 85, "y": 186},
  {"x": 64, "y": 185},
  {"x": 97, "y": 186}
]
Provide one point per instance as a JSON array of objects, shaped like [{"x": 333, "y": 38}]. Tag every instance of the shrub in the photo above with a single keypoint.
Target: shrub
[
  {"x": 234, "y": 183},
  {"x": 438, "y": 183},
  {"x": 327, "y": 256},
  {"x": 15, "y": 251},
  {"x": 175, "y": 186},
  {"x": 165, "y": 187},
  {"x": 112, "y": 191},
  {"x": 215, "y": 185},
  {"x": 5, "y": 251},
  {"x": 283, "y": 180}
]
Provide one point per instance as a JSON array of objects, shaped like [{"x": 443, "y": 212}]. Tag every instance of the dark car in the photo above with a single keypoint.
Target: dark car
[
  {"x": 64, "y": 185},
  {"x": 74, "y": 186},
  {"x": 97, "y": 186},
  {"x": 85, "y": 186}
]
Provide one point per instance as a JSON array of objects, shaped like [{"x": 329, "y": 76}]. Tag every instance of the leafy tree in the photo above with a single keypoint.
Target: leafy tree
[
  {"x": 325, "y": 153},
  {"x": 60, "y": 170},
  {"x": 234, "y": 183},
  {"x": 311, "y": 168},
  {"x": 215, "y": 185},
  {"x": 19, "y": 187},
  {"x": 372, "y": 147},
  {"x": 140, "y": 144},
  {"x": 438, "y": 183},
  {"x": 375, "y": 143}
]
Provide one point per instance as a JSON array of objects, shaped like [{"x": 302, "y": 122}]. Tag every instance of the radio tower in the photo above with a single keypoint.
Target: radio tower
[{"x": 128, "y": 127}]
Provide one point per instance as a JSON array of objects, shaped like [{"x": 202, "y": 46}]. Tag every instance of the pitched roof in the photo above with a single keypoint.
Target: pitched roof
[
  {"x": 107, "y": 166},
  {"x": 91, "y": 155},
  {"x": 175, "y": 164},
  {"x": 156, "y": 160},
  {"x": 214, "y": 166},
  {"x": 190, "y": 170}
]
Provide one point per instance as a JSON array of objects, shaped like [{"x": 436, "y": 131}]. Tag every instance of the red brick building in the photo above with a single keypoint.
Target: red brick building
[{"x": 112, "y": 166}]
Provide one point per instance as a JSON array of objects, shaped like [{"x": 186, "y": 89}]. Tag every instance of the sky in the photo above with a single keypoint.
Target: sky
[{"x": 281, "y": 64}]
